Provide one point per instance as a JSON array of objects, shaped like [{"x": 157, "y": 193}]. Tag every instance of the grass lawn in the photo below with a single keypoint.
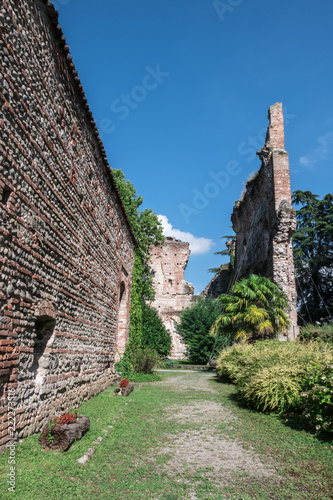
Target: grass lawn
[{"x": 185, "y": 437}]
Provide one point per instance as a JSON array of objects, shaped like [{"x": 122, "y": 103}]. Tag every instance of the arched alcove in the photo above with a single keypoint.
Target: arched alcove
[
  {"x": 122, "y": 320},
  {"x": 44, "y": 327}
]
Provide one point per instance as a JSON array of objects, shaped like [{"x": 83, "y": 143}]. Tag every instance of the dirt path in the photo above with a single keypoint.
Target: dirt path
[{"x": 204, "y": 447}]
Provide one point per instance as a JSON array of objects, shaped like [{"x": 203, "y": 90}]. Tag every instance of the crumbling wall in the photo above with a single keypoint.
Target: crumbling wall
[
  {"x": 172, "y": 293},
  {"x": 264, "y": 219},
  {"x": 219, "y": 283},
  {"x": 66, "y": 246}
]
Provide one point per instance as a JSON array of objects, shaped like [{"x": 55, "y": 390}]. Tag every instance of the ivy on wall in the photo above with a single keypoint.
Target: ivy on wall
[{"x": 148, "y": 232}]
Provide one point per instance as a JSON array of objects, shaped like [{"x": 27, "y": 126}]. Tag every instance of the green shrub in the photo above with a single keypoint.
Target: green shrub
[
  {"x": 194, "y": 326},
  {"x": 154, "y": 334},
  {"x": 276, "y": 388},
  {"x": 241, "y": 361},
  {"x": 315, "y": 332},
  {"x": 270, "y": 374},
  {"x": 318, "y": 397},
  {"x": 231, "y": 361},
  {"x": 137, "y": 360},
  {"x": 143, "y": 360},
  {"x": 124, "y": 367}
]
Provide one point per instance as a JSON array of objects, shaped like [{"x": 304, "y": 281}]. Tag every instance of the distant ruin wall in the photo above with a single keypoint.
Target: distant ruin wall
[
  {"x": 219, "y": 283},
  {"x": 66, "y": 247},
  {"x": 264, "y": 219},
  {"x": 172, "y": 293}
]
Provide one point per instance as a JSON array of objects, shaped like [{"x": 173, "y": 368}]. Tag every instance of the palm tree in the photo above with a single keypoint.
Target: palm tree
[{"x": 254, "y": 308}]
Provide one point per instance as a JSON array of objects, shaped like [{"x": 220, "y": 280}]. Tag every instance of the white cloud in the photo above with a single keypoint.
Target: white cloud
[
  {"x": 198, "y": 246},
  {"x": 320, "y": 153}
]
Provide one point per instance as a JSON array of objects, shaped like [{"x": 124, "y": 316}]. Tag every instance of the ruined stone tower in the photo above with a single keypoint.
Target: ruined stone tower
[
  {"x": 172, "y": 293},
  {"x": 264, "y": 219}
]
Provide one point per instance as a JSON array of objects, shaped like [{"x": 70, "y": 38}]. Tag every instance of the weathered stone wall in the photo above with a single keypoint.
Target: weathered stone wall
[
  {"x": 219, "y": 283},
  {"x": 66, "y": 245},
  {"x": 172, "y": 293},
  {"x": 264, "y": 219}
]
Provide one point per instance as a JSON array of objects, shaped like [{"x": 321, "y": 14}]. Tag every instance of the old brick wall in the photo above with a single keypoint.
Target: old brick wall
[
  {"x": 172, "y": 293},
  {"x": 264, "y": 219},
  {"x": 66, "y": 247}
]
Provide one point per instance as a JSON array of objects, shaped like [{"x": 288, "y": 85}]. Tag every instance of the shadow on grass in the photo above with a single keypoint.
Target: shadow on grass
[
  {"x": 297, "y": 422},
  {"x": 219, "y": 380}
]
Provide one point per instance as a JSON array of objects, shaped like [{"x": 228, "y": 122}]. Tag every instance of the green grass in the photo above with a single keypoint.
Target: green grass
[
  {"x": 124, "y": 465},
  {"x": 144, "y": 377},
  {"x": 305, "y": 459}
]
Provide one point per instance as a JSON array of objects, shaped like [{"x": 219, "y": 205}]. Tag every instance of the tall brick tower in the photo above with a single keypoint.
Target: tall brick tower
[{"x": 264, "y": 219}]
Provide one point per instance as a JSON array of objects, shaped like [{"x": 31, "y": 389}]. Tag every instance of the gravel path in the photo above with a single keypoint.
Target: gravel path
[{"x": 203, "y": 447}]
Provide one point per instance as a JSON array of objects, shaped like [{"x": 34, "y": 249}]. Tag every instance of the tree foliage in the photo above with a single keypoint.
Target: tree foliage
[
  {"x": 148, "y": 340},
  {"x": 194, "y": 326},
  {"x": 154, "y": 333},
  {"x": 313, "y": 255},
  {"x": 254, "y": 308}
]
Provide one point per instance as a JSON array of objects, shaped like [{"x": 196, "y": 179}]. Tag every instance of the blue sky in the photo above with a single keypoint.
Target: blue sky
[{"x": 180, "y": 91}]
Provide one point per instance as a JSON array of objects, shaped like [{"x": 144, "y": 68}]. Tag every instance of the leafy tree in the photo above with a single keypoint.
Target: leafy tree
[
  {"x": 313, "y": 255},
  {"x": 255, "y": 307},
  {"x": 154, "y": 333},
  {"x": 194, "y": 326}
]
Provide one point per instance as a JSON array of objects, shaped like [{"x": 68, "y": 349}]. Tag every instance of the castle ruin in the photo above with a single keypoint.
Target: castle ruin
[
  {"x": 172, "y": 293},
  {"x": 264, "y": 221},
  {"x": 66, "y": 245}
]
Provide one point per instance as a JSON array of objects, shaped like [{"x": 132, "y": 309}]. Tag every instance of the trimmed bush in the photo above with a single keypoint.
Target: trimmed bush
[
  {"x": 231, "y": 361},
  {"x": 143, "y": 360},
  {"x": 271, "y": 375},
  {"x": 276, "y": 388}
]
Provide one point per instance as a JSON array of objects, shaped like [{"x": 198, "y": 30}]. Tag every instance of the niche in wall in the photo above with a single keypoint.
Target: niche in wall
[{"x": 44, "y": 329}]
